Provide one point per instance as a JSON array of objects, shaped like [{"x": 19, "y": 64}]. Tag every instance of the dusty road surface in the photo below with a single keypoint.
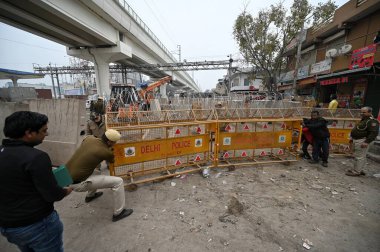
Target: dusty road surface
[{"x": 259, "y": 208}]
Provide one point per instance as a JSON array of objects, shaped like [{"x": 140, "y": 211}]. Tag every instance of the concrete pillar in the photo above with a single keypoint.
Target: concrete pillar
[
  {"x": 163, "y": 91},
  {"x": 101, "y": 57},
  {"x": 102, "y": 73}
]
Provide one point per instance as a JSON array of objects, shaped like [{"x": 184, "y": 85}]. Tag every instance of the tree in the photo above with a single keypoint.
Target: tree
[{"x": 263, "y": 39}]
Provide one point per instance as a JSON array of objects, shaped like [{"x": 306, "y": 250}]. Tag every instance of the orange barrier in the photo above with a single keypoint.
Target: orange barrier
[{"x": 162, "y": 144}]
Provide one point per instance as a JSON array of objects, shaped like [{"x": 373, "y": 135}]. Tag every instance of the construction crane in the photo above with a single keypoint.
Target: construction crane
[{"x": 146, "y": 91}]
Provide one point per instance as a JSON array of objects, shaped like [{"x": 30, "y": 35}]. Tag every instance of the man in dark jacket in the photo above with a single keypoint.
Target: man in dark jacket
[
  {"x": 321, "y": 137},
  {"x": 28, "y": 188}
]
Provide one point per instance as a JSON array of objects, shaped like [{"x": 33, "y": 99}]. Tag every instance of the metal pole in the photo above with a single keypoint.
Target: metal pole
[
  {"x": 59, "y": 88},
  {"x": 229, "y": 74},
  {"x": 298, "y": 57},
  {"x": 52, "y": 80}
]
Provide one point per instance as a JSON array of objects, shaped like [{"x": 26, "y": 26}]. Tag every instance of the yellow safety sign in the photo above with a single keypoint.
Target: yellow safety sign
[
  {"x": 137, "y": 152},
  {"x": 339, "y": 136},
  {"x": 255, "y": 140}
]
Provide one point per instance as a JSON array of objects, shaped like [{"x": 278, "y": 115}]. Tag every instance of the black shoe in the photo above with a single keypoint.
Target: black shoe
[
  {"x": 313, "y": 161},
  {"x": 122, "y": 215},
  {"x": 306, "y": 158},
  {"x": 324, "y": 164},
  {"x": 97, "y": 195}
]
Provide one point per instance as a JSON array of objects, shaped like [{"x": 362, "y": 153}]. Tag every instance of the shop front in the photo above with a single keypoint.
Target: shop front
[
  {"x": 350, "y": 87},
  {"x": 306, "y": 86}
]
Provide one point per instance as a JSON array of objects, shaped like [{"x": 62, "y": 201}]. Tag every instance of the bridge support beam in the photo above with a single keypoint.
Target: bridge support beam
[
  {"x": 101, "y": 57},
  {"x": 102, "y": 75}
]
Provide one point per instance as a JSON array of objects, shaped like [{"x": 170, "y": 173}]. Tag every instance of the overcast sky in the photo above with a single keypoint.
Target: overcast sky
[{"x": 203, "y": 28}]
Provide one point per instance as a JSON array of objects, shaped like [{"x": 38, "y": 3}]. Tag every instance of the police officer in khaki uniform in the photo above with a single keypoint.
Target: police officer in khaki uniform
[
  {"x": 362, "y": 135},
  {"x": 82, "y": 164},
  {"x": 96, "y": 125},
  {"x": 99, "y": 106}
]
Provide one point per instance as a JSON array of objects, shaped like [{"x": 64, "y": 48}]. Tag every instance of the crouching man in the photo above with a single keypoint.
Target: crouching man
[{"x": 82, "y": 164}]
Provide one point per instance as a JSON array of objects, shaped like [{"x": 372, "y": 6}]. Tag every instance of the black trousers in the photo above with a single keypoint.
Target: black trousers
[{"x": 321, "y": 149}]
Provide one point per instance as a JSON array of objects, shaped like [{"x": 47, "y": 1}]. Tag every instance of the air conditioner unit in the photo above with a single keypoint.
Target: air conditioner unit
[
  {"x": 332, "y": 53},
  {"x": 345, "y": 49}
]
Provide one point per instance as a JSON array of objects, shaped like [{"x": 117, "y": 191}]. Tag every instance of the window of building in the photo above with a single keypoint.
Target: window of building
[{"x": 246, "y": 82}]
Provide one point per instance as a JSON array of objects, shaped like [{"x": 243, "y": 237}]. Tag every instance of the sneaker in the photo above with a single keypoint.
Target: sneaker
[
  {"x": 306, "y": 158},
  {"x": 324, "y": 164},
  {"x": 122, "y": 215},
  {"x": 91, "y": 198},
  {"x": 313, "y": 161}
]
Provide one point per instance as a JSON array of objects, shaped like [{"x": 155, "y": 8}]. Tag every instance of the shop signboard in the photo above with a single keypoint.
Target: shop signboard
[
  {"x": 303, "y": 72},
  {"x": 334, "y": 81},
  {"x": 321, "y": 66},
  {"x": 363, "y": 57}
]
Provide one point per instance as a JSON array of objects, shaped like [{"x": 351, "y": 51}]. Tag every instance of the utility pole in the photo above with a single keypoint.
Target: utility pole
[
  {"x": 52, "y": 80},
  {"x": 298, "y": 57},
  {"x": 59, "y": 87},
  {"x": 229, "y": 73}
]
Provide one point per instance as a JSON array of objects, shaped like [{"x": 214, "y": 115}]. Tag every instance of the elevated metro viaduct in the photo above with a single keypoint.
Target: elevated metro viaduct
[{"x": 101, "y": 31}]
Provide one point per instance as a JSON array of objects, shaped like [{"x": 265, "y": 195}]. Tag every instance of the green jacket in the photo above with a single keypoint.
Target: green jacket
[
  {"x": 367, "y": 128},
  {"x": 87, "y": 157}
]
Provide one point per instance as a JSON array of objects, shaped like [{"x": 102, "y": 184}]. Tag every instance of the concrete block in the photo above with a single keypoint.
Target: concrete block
[{"x": 67, "y": 118}]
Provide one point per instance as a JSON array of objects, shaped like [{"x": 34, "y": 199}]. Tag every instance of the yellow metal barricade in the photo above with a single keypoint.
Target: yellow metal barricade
[
  {"x": 256, "y": 136},
  {"x": 161, "y": 144},
  {"x": 157, "y": 144}
]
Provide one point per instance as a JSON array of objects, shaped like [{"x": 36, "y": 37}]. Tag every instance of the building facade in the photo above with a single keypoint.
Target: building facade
[{"x": 342, "y": 57}]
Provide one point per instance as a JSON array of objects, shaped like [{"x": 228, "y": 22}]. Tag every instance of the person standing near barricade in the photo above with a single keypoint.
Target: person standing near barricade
[
  {"x": 333, "y": 105},
  {"x": 361, "y": 136},
  {"x": 28, "y": 188},
  {"x": 96, "y": 125},
  {"x": 99, "y": 107},
  {"x": 321, "y": 137},
  {"x": 82, "y": 164}
]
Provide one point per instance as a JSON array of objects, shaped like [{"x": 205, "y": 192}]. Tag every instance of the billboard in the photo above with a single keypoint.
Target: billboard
[{"x": 362, "y": 57}]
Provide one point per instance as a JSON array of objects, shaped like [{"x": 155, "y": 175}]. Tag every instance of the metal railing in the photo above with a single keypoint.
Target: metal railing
[
  {"x": 126, "y": 7},
  {"x": 141, "y": 23}
]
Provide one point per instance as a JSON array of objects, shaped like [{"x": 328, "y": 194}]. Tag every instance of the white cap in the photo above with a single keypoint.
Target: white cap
[{"x": 113, "y": 135}]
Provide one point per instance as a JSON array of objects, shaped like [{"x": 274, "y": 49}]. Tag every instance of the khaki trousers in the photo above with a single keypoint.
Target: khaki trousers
[
  {"x": 359, "y": 154},
  {"x": 94, "y": 182}
]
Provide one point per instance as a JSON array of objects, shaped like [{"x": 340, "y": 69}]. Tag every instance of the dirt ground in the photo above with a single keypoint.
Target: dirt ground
[{"x": 259, "y": 208}]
